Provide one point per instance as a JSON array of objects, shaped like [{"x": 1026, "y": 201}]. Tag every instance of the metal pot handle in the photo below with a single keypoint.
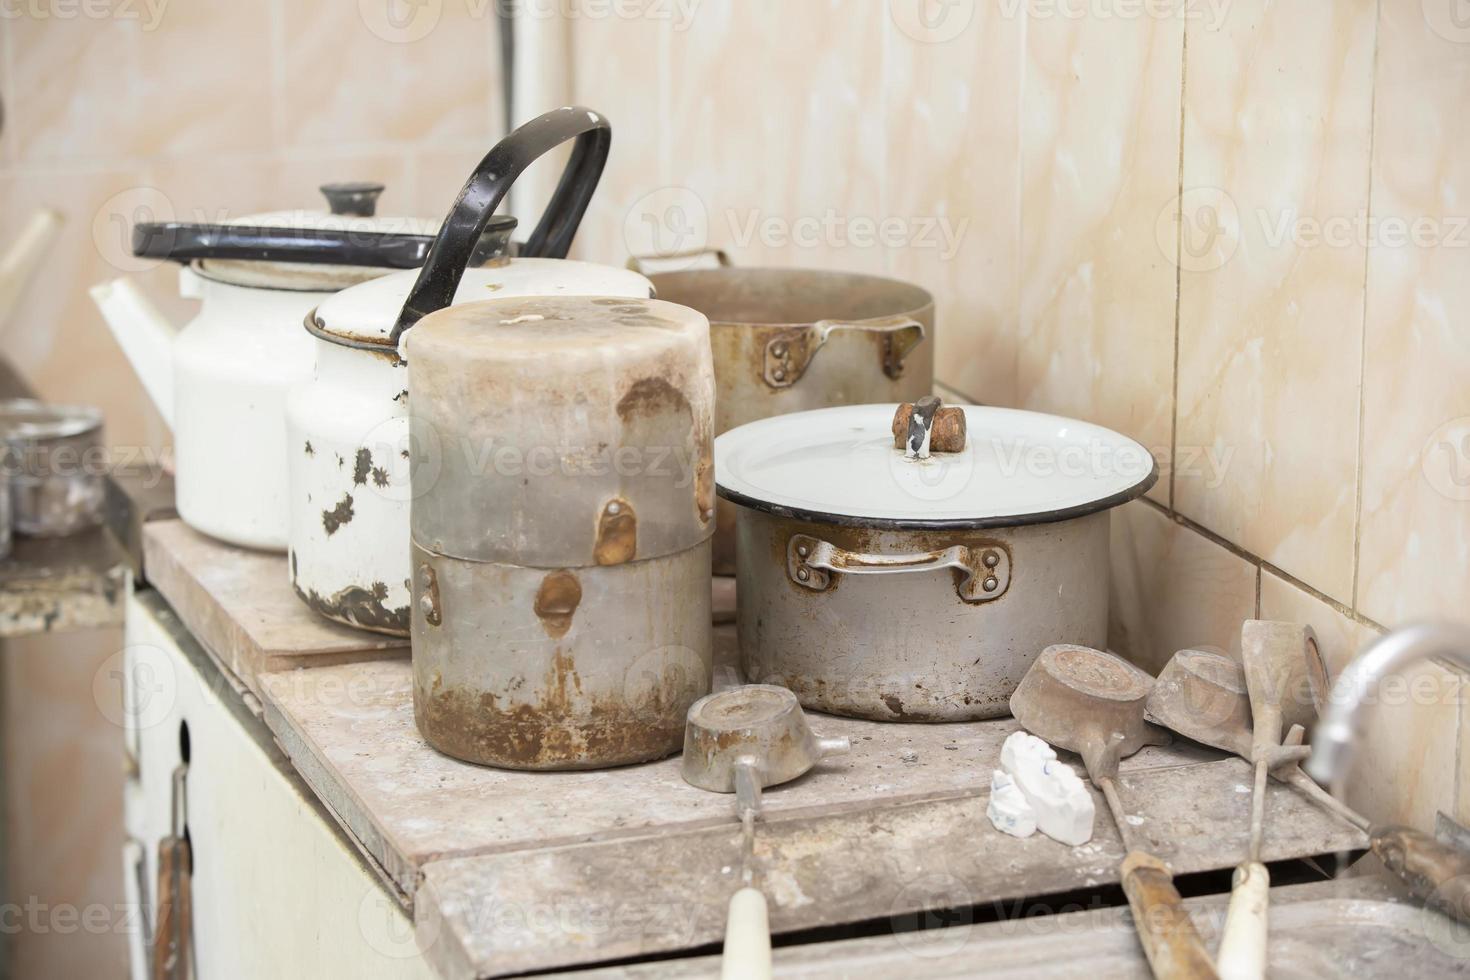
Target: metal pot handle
[
  {"x": 982, "y": 572},
  {"x": 487, "y": 187},
  {"x": 789, "y": 353},
  {"x": 641, "y": 264}
]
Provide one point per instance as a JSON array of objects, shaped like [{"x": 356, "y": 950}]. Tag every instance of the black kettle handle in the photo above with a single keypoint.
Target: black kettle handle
[{"x": 487, "y": 187}]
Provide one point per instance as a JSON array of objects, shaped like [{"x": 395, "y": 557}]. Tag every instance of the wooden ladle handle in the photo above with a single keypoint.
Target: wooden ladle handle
[{"x": 1170, "y": 941}]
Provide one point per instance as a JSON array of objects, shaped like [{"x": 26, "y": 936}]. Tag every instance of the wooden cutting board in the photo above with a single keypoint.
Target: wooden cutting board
[{"x": 240, "y": 605}]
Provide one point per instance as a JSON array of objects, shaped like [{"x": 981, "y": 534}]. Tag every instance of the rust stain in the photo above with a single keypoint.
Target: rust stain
[
  {"x": 895, "y": 704},
  {"x": 380, "y": 477},
  {"x": 617, "y": 533},
  {"x": 556, "y": 602},
  {"x": 649, "y": 397},
  {"x": 364, "y": 608},
  {"x": 338, "y": 516},
  {"x": 360, "y": 467},
  {"x": 309, "y": 450}
]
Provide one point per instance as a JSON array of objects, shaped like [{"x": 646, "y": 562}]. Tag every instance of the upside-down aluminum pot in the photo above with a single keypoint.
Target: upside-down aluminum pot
[
  {"x": 880, "y": 583},
  {"x": 790, "y": 340},
  {"x": 561, "y": 599}
]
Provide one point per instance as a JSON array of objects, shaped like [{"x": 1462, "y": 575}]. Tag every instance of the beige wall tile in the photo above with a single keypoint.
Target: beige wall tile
[
  {"x": 355, "y": 73},
  {"x": 951, "y": 105},
  {"x": 1100, "y": 154},
  {"x": 1270, "y": 330},
  {"x": 773, "y": 125},
  {"x": 1173, "y": 588},
  {"x": 618, "y": 68},
  {"x": 1339, "y": 637},
  {"x": 1415, "y": 546},
  {"x": 105, "y": 89}
]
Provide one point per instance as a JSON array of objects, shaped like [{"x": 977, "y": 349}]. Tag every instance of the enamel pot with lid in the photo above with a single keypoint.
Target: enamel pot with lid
[
  {"x": 912, "y": 568},
  {"x": 347, "y": 430},
  {"x": 220, "y": 382},
  {"x": 791, "y": 340}
]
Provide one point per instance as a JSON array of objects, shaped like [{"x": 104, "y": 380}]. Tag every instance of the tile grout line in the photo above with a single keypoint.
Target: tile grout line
[
  {"x": 1363, "y": 325},
  {"x": 1178, "y": 264}
]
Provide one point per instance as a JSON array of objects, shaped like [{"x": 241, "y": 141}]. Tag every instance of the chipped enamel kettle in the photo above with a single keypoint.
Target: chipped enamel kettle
[
  {"x": 353, "y": 468},
  {"x": 221, "y": 381}
]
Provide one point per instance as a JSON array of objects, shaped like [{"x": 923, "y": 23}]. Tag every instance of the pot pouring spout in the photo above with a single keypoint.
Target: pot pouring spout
[{"x": 144, "y": 335}]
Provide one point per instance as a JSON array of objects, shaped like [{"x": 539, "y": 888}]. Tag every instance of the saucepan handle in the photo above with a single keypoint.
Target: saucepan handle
[
  {"x": 697, "y": 258},
  {"x": 982, "y": 572},
  {"x": 487, "y": 187},
  {"x": 789, "y": 353}
]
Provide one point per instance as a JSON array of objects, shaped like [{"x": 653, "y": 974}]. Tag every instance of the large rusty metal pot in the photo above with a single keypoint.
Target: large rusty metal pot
[
  {"x": 561, "y": 516},
  {"x": 879, "y": 579},
  {"x": 789, "y": 340}
]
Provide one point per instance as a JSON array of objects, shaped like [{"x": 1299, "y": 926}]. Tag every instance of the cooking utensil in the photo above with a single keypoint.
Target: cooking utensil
[
  {"x": 1202, "y": 696},
  {"x": 561, "y": 593},
  {"x": 1278, "y": 658},
  {"x": 347, "y": 431},
  {"x": 221, "y": 382},
  {"x": 1092, "y": 703},
  {"x": 904, "y": 589},
  {"x": 789, "y": 340},
  {"x": 739, "y": 741},
  {"x": 55, "y": 466}
]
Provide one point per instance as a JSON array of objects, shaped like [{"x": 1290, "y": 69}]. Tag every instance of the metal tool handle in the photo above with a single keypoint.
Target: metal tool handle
[
  {"x": 747, "y": 786},
  {"x": 982, "y": 572},
  {"x": 1297, "y": 779},
  {"x": 789, "y": 353},
  {"x": 1167, "y": 933},
  {"x": 455, "y": 244}
]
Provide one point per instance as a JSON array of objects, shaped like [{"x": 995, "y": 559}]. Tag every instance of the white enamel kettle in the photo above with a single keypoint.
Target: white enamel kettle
[
  {"x": 221, "y": 381},
  {"x": 352, "y": 470}
]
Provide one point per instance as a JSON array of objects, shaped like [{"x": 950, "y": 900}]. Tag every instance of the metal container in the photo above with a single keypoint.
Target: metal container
[
  {"x": 56, "y": 464},
  {"x": 789, "y": 340},
  {"x": 879, "y": 583},
  {"x": 561, "y": 602},
  {"x": 347, "y": 430}
]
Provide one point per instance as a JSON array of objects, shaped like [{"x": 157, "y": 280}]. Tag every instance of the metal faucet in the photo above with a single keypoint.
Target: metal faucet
[{"x": 1333, "y": 744}]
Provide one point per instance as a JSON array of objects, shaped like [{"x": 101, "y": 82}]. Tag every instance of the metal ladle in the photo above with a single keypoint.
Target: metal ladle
[
  {"x": 740, "y": 741},
  {"x": 1092, "y": 703}
]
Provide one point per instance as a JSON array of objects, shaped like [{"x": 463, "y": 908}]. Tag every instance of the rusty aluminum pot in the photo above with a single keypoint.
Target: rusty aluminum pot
[
  {"x": 561, "y": 602},
  {"x": 789, "y": 340},
  {"x": 881, "y": 586}
]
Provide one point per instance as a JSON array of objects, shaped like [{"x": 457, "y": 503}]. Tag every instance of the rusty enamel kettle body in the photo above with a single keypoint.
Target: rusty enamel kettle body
[{"x": 353, "y": 468}]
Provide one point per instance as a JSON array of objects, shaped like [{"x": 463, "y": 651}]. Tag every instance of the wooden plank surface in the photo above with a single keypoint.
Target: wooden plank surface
[
  {"x": 240, "y": 606},
  {"x": 349, "y": 730},
  {"x": 558, "y": 907}
]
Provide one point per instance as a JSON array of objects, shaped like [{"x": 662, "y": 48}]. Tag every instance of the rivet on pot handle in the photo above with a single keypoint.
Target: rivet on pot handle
[
  {"x": 482, "y": 193},
  {"x": 984, "y": 571},
  {"x": 790, "y": 352}
]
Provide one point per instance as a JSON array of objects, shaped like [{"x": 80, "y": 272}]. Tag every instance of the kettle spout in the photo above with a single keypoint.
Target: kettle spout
[
  {"x": 144, "y": 335},
  {"x": 20, "y": 261}
]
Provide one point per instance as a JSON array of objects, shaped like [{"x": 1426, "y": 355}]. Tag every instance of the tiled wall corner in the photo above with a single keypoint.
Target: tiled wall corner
[
  {"x": 1173, "y": 588},
  {"x": 1276, "y": 139},
  {"x": 1100, "y": 160},
  {"x": 1414, "y": 551}
]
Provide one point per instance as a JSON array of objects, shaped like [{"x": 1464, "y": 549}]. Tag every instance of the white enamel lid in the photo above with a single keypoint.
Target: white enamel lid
[
  {"x": 367, "y": 312},
  {"x": 839, "y": 466}
]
